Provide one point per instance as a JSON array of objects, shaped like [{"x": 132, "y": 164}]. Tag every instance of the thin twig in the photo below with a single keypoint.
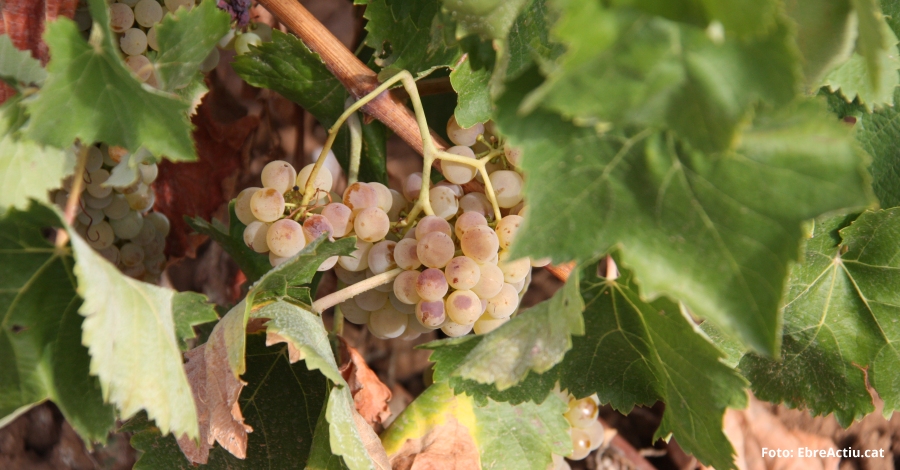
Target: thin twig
[
  {"x": 358, "y": 79},
  {"x": 349, "y": 292},
  {"x": 62, "y": 235}
]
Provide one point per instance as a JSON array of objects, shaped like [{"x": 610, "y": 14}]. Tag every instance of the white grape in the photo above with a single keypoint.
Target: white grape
[
  {"x": 160, "y": 222},
  {"x": 405, "y": 287},
  {"x": 462, "y": 273},
  {"x": 242, "y": 205},
  {"x": 275, "y": 261},
  {"x": 581, "y": 413},
  {"x": 315, "y": 226},
  {"x": 477, "y": 202},
  {"x": 435, "y": 249},
  {"x": 97, "y": 202},
  {"x": 432, "y": 223},
  {"x": 504, "y": 303},
  {"x": 398, "y": 204},
  {"x": 243, "y": 42},
  {"x": 467, "y": 220},
  {"x": 457, "y": 189},
  {"x": 387, "y": 322},
  {"x": 121, "y": 17},
  {"x": 227, "y": 41},
  {"x": 463, "y": 135},
  {"x": 520, "y": 286},
  {"x": 322, "y": 185},
  {"x": 581, "y": 444},
  {"x": 327, "y": 264},
  {"x": 359, "y": 196},
  {"x": 349, "y": 277},
  {"x": 117, "y": 208},
  {"x": 431, "y": 314},
  {"x": 147, "y": 233},
  {"x": 129, "y": 226},
  {"x": 405, "y": 254},
  {"x": 480, "y": 243},
  {"x": 279, "y": 175},
  {"x": 340, "y": 217},
  {"x": 147, "y": 13},
  {"x": 95, "y": 180},
  {"x": 352, "y": 312},
  {"x": 135, "y": 271},
  {"x": 443, "y": 202},
  {"x": 385, "y": 199},
  {"x": 173, "y": 5},
  {"x": 100, "y": 235},
  {"x": 431, "y": 284},
  {"x": 131, "y": 254},
  {"x": 90, "y": 216},
  {"x": 516, "y": 270},
  {"x": 508, "y": 187},
  {"x": 111, "y": 253},
  {"x": 559, "y": 463},
  {"x": 490, "y": 281},
  {"x": 381, "y": 256},
  {"x": 540, "y": 262},
  {"x": 463, "y": 307},
  {"x": 487, "y": 324},
  {"x": 459, "y": 173},
  {"x": 371, "y": 300},
  {"x": 453, "y": 329},
  {"x": 140, "y": 65},
  {"x": 489, "y": 167},
  {"x": 267, "y": 205},
  {"x": 133, "y": 42},
  {"x": 371, "y": 224},
  {"x": 255, "y": 236},
  {"x": 409, "y": 309},
  {"x": 596, "y": 433},
  {"x": 359, "y": 259},
  {"x": 513, "y": 155},
  {"x": 94, "y": 159},
  {"x": 388, "y": 287},
  {"x": 285, "y": 238},
  {"x": 412, "y": 186},
  {"x": 507, "y": 229},
  {"x": 151, "y": 38},
  {"x": 141, "y": 200},
  {"x": 149, "y": 172}
]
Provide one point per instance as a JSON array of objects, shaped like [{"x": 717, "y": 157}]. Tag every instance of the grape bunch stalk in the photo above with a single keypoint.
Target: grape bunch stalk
[
  {"x": 117, "y": 220},
  {"x": 426, "y": 257}
]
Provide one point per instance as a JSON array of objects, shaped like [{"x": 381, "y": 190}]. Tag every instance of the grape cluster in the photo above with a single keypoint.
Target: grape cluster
[
  {"x": 456, "y": 271},
  {"x": 586, "y": 431},
  {"x": 117, "y": 221}
]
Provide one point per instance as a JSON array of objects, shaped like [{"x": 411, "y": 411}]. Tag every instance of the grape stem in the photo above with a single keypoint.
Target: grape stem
[
  {"x": 62, "y": 235},
  {"x": 349, "y": 292},
  {"x": 355, "y": 147}
]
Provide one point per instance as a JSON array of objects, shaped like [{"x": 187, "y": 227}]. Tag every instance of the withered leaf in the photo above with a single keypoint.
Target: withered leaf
[
  {"x": 445, "y": 447},
  {"x": 370, "y": 395}
]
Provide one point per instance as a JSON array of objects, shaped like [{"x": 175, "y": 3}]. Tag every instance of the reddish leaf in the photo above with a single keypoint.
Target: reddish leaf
[
  {"x": 24, "y": 20},
  {"x": 199, "y": 189},
  {"x": 446, "y": 447},
  {"x": 370, "y": 395}
]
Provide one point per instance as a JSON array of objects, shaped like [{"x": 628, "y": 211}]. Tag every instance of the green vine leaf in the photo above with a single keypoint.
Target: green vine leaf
[
  {"x": 41, "y": 356},
  {"x": 488, "y": 19},
  {"x": 473, "y": 88},
  {"x": 535, "y": 340},
  {"x": 839, "y": 322},
  {"x": 287, "y": 66},
  {"x": 638, "y": 353},
  {"x": 497, "y": 435},
  {"x": 826, "y": 35},
  {"x": 281, "y": 401},
  {"x": 17, "y": 67},
  {"x": 129, "y": 330},
  {"x": 189, "y": 309},
  {"x": 231, "y": 238},
  {"x": 185, "y": 38},
  {"x": 28, "y": 170},
  {"x": 692, "y": 225},
  {"x": 107, "y": 103}
]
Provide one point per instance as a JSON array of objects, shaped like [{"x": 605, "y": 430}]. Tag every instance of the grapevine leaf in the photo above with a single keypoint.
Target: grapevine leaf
[
  {"x": 535, "y": 340},
  {"x": 130, "y": 333},
  {"x": 320, "y": 456},
  {"x": 41, "y": 356},
  {"x": 189, "y": 309},
  {"x": 504, "y": 436},
  {"x": 105, "y": 103},
  {"x": 637, "y": 353},
  {"x": 305, "y": 331},
  {"x": 350, "y": 436},
  {"x": 825, "y": 34},
  {"x": 693, "y": 225},
  {"x": 17, "y": 66},
  {"x": 231, "y": 238},
  {"x": 282, "y": 403},
  {"x": 413, "y": 36},
  {"x": 28, "y": 170},
  {"x": 875, "y": 39},
  {"x": 529, "y": 40},
  {"x": 743, "y": 17},
  {"x": 490, "y": 19},
  {"x": 473, "y": 88},
  {"x": 839, "y": 322},
  {"x": 623, "y": 67},
  {"x": 185, "y": 38},
  {"x": 287, "y": 66}
]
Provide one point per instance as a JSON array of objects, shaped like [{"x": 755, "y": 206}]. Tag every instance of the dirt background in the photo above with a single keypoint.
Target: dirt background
[{"x": 270, "y": 127}]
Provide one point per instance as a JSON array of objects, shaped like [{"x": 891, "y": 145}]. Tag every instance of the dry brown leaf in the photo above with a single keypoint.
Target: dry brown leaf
[
  {"x": 371, "y": 442},
  {"x": 756, "y": 427},
  {"x": 216, "y": 391},
  {"x": 446, "y": 447},
  {"x": 294, "y": 354},
  {"x": 370, "y": 395}
]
